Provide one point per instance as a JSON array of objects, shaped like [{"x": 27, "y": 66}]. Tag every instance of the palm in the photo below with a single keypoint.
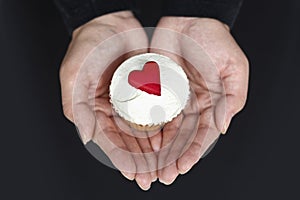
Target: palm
[
  {"x": 188, "y": 136},
  {"x": 218, "y": 74},
  {"x": 130, "y": 151}
]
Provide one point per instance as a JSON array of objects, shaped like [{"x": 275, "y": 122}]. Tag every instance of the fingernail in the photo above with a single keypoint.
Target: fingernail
[
  {"x": 224, "y": 129},
  {"x": 184, "y": 169},
  {"x": 154, "y": 179},
  {"x": 82, "y": 136},
  {"x": 84, "y": 139},
  {"x": 144, "y": 186},
  {"x": 169, "y": 182},
  {"x": 129, "y": 176},
  {"x": 162, "y": 181}
]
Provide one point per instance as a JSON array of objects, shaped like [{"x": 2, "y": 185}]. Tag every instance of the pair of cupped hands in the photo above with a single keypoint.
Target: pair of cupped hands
[{"x": 217, "y": 70}]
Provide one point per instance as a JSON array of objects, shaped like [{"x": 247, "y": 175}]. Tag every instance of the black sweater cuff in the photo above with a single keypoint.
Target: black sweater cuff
[
  {"x": 77, "y": 12},
  {"x": 225, "y": 11}
]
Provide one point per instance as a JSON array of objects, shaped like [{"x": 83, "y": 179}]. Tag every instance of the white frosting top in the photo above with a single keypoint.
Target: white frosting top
[{"x": 141, "y": 108}]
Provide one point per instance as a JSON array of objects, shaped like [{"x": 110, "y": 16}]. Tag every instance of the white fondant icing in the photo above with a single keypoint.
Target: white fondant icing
[{"x": 142, "y": 108}]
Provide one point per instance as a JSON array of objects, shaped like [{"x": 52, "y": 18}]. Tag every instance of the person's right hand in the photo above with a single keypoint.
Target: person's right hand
[{"x": 95, "y": 51}]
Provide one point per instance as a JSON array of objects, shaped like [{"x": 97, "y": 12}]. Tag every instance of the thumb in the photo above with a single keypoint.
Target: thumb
[
  {"x": 74, "y": 101},
  {"x": 226, "y": 108},
  {"x": 236, "y": 87},
  {"x": 66, "y": 95}
]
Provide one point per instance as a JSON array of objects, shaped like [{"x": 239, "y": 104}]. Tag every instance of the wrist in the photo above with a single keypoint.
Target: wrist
[
  {"x": 116, "y": 22},
  {"x": 182, "y": 24}
]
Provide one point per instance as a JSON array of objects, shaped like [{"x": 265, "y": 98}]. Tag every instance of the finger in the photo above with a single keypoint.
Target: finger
[
  {"x": 169, "y": 133},
  {"x": 206, "y": 134},
  {"x": 183, "y": 140},
  {"x": 149, "y": 155},
  {"x": 86, "y": 120},
  {"x": 235, "y": 81},
  {"x": 143, "y": 141},
  {"x": 128, "y": 175},
  {"x": 109, "y": 140},
  {"x": 143, "y": 177},
  {"x": 168, "y": 174},
  {"x": 118, "y": 152},
  {"x": 166, "y": 171},
  {"x": 99, "y": 106},
  {"x": 155, "y": 140},
  {"x": 186, "y": 133},
  {"x": 143, "y": 180}
]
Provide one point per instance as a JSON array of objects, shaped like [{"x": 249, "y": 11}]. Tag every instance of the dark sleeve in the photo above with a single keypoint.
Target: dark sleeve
[
  {"x": 223, "y": 10},
  {"x": 77, "y": 12}
]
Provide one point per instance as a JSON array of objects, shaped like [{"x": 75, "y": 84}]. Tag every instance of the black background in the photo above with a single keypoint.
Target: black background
[{"x": 42, "y": 156}]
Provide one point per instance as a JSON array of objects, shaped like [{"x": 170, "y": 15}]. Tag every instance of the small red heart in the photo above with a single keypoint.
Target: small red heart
[{"x": 147, "y": 80}]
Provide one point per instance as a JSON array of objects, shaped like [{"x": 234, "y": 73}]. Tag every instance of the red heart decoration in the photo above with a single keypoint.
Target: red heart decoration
[{"x": 147, "y": 80}]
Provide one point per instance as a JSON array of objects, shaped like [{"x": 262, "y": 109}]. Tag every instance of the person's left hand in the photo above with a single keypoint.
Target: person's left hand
[{"x": 218, "y": 73}]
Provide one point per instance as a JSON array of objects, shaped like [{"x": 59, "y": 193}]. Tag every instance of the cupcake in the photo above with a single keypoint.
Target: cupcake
[{"x": 149, "y": 90}]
